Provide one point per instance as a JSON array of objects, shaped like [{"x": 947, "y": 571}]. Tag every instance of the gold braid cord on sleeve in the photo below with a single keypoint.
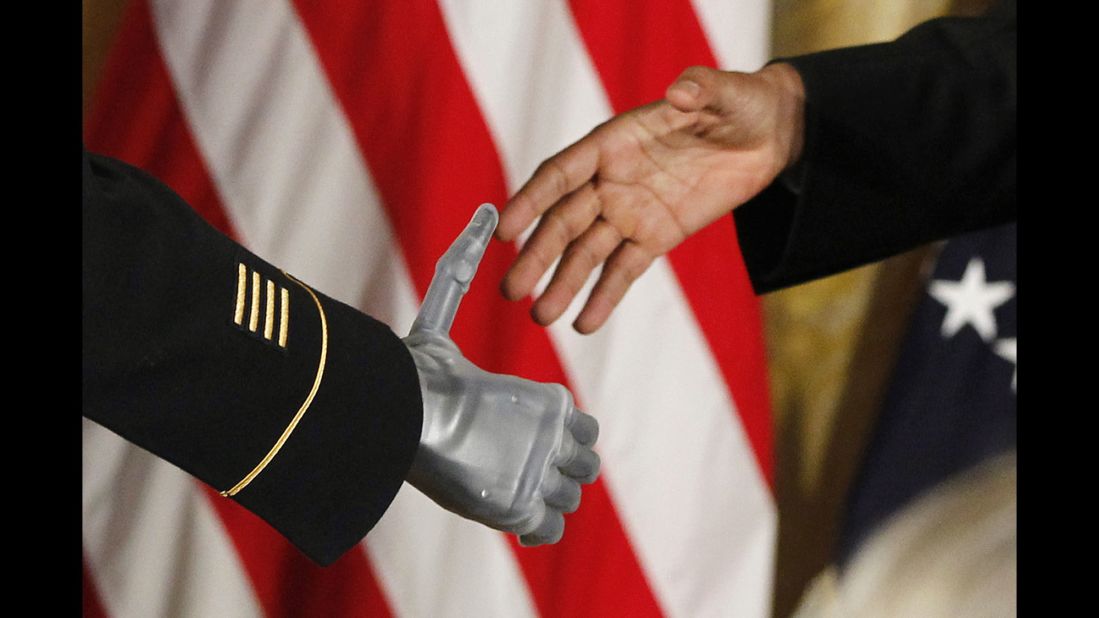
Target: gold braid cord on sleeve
[{"x": 305, "y": 404}]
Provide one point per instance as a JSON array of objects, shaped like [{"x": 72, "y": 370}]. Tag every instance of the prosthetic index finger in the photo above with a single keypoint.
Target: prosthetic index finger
[
  {"x": 583, "y": 426},
  {"x": 579, "y": 462},
  {"x": 561, "y": 492},
  {"x": 550, "y": 531},
  {"x": 454, "y": 271}
]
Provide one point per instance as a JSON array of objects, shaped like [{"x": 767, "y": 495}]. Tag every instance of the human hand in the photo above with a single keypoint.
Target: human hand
[
  {"x": 500, "y": 450},
  {"x": 645, "y": 180}
]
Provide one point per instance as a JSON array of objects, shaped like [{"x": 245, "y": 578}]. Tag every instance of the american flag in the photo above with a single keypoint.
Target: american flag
[
  {"x": 952, "y": 402},
  {"x": 348, "y": 142}
]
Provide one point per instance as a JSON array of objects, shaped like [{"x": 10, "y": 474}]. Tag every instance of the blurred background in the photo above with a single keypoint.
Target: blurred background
[{"x": 828, "y": 348}]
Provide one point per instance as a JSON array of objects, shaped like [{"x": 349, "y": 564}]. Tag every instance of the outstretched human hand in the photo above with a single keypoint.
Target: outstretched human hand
[
  {"x": 500, "y": 450},
  {"x": 642, "y": 182}
]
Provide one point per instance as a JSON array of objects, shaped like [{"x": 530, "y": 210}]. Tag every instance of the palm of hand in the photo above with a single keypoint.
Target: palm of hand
[
  {"x": 664, "y": 174},
  {"x": 628, "y": 193}
]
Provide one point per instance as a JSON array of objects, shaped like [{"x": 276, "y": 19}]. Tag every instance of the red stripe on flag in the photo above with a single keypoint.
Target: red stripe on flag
[
  {"x": 638, "y": 48},
  {"x": 93, "y": 607},
  {"x": 137, "y": 118},
  {"x": 418, "y": 125},
  {"x": 289, "y": 584}
]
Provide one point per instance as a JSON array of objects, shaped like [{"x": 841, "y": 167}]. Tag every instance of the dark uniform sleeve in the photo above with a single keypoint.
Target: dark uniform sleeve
[
  {"x": 299, "y": 407},
  {"x": 906, "y": 142}
]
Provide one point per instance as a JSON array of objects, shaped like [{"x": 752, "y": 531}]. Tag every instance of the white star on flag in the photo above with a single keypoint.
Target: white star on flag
[
  {"x": 971, "y": 300},
  {"x": 1005, "y": 349}
]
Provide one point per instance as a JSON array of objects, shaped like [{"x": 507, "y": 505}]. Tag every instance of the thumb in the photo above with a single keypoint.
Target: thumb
[{"x": 697, "y": 88}]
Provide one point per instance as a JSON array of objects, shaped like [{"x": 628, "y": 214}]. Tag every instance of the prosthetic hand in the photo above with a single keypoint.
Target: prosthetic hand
[{"x": 500, "y": 450}]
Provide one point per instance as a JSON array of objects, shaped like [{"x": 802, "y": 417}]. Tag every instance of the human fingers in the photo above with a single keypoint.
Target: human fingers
[
  {"x": 568, "y": 219},
  {"x": 624, "y": 266},
  {"x": 584, "y": 427},
  {"x": 555, "y": 178},
  {"x": 551, "y": 529},
  {"x": 581, "y": 257},
  {"x": 454, "y": 271}
]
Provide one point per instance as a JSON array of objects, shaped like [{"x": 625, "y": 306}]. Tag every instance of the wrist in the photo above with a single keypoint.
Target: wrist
[
  {"x": 424, "y": 364},
  {"x": 789, "y": 112}
]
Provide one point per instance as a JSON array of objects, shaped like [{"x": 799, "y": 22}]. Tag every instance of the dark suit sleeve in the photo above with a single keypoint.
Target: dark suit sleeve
[
  {"x": 204, "y": 354},
  {"x": 906, "y": 142}
]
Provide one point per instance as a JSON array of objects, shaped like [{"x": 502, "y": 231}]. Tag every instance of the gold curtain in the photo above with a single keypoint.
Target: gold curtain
[{"x": 100, "y": 21}]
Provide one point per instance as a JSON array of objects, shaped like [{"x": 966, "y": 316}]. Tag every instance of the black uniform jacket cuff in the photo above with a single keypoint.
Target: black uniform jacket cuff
[
  {"x": 906, "y": 142},
  {"x": 175, "y": 362}
]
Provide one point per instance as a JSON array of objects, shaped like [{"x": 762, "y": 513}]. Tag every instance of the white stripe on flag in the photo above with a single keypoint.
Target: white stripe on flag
[
  {"x": 282, "y": 155},
  {"x": 280, "y": 150},
  {"x": 465, "y": 579},
  {"x": 153, "y": 543},
  {"x": 739, "y": 32},
  {"x": 677, "y": 461}
]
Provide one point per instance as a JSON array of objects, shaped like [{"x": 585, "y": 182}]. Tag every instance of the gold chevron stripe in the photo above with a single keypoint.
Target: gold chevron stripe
[
  {"x": 242, "y": 291},
  {"x": 253, "y": 317},
  {"x": 284, "y": 316},
  {"x": 269, "y": 315}
]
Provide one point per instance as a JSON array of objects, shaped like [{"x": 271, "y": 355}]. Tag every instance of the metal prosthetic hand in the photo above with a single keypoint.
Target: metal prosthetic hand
[{"x": 500, "y": 450}]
